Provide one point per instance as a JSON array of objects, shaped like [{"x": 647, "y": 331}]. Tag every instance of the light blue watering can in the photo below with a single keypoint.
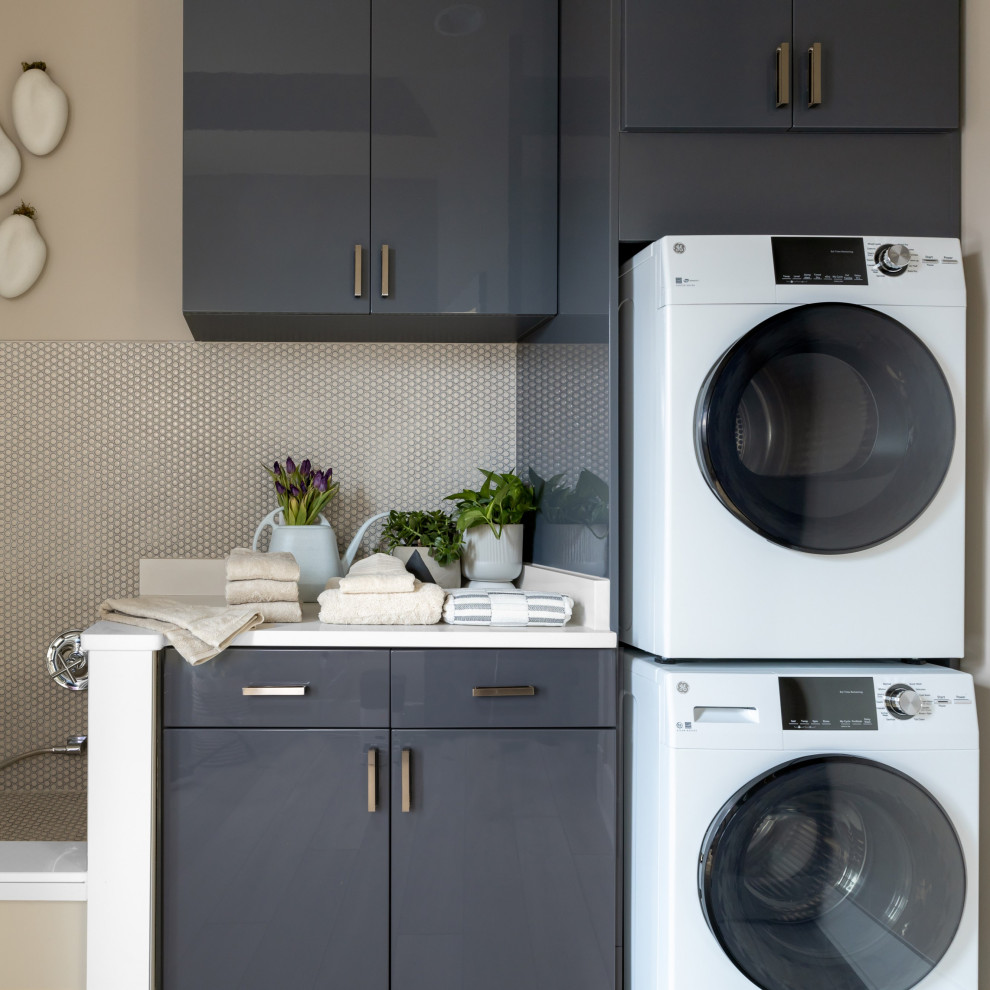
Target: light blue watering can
[{"x": 315, "y": 550}]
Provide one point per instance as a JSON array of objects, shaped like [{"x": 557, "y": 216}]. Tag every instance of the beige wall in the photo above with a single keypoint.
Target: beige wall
[
  {"x": 109, "y": 197},
  {"x": 976, "y": 244}
]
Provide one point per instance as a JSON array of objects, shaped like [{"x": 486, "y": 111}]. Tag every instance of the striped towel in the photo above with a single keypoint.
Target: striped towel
[{"x": 507, "y": 608}]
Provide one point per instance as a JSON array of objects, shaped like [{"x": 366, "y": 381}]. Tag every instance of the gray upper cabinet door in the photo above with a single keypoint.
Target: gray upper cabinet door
[
  {"x": 464, "y": 157},
  {"x": 704, "y": 64},
  {"x": 886, "y": 64},
  {"x": 503, "y": 866},
  {"x": 276, "y": 123},
  {"x": 274, "y": 859}
]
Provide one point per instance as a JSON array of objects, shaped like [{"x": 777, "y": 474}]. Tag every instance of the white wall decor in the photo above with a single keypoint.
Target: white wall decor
[
  {"x": 22, "y": 252},
  {"x": 41, "y": 109},
  {"x": 10, "y": 163}
]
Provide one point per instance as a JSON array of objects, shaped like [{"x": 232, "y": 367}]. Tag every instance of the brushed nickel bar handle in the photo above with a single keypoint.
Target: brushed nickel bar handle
[
  {"x": 783, "y": 74},
  {"x": 384, "y": 270},
  {"x": 406, "y": 773},
  {"x": 815, "y": 75},
  {"x": 520, "y": 691},
  {"x": 357, "y": 271},
  {"x": 272, "y": 690},
  {"x": 372, "y": 779}
]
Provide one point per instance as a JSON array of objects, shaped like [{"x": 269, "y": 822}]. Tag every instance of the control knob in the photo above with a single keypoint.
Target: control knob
[
  {"x": 893, "y": 259},
  {"x": 902, "y": 701}
]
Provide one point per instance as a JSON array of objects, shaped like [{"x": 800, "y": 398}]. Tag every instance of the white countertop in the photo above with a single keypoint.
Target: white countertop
[{"x": 311, "y": 632}]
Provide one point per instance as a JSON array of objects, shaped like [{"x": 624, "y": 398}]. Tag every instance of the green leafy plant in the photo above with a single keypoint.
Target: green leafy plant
[
  {"x": 302, "y": 492},
  {"x": 435, "y": 531},
  {"x": 503, "y": 500},
  {"x": 586, "y": 503}
]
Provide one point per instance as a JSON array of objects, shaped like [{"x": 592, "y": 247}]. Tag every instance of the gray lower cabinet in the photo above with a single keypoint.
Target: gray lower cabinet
[
  {"x": 472, "y": 845},
  {"x": 503, "y": 859}
]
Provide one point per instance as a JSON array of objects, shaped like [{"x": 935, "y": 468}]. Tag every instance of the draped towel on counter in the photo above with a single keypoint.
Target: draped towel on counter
[{"x": 513, "y": 607}]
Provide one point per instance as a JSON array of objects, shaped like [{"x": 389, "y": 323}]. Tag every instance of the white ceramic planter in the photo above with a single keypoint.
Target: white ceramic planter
[
  {"x": 419, "y": 562},
  {"x": 487, "y": 558}
]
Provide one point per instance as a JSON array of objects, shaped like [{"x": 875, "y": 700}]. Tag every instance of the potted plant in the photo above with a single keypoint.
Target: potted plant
[
  {"x": 572, "y": 527},
  {"x": 491, "y": 521},
  {"x": 428, "y": 543}
]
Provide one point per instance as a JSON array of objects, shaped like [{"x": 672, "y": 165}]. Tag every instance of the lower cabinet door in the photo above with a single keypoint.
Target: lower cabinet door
[
  {"x": 274, "y": 868},
  {"x": 503, "y": 859}
]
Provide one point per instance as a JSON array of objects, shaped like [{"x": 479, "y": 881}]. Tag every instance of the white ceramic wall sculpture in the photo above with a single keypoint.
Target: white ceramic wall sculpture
[
  {"x": 22, "y": 252},
  {"x": 10, "y": 163},
  {"x": 41, "y": 109}
]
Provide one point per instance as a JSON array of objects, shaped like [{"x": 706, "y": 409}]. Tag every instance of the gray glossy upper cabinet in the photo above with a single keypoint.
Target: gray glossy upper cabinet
[
  {"x": 369, "y": 158},
  {"x": 783, "y": 64}
]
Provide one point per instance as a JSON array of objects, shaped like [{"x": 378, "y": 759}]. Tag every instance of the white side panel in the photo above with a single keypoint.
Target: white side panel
[{"x": 121, "y": 820}]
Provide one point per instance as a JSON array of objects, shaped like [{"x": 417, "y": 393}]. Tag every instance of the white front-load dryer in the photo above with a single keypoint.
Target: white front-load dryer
[
  {"x": 793, "y": 448},
  {"x": 799, "y": 826}
]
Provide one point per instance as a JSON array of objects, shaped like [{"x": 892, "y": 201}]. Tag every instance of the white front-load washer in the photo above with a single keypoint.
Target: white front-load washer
[
  {"x": 799, "y": 826},
  {"x": 792, "y": 430}
]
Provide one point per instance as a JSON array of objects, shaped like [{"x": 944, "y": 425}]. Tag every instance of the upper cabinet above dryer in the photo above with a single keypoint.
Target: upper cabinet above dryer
[
  {"x": 369, "y": 169},
  {"x": 790, "y": 64}
]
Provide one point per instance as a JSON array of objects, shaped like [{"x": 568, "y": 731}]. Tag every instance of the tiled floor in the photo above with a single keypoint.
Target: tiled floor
[{"x": 42, "y": 816}]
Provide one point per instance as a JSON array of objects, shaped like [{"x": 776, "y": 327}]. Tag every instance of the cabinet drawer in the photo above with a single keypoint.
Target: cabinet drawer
[
  {"x": 503, "y": 688},
  {"x": 278, "y": 688}
]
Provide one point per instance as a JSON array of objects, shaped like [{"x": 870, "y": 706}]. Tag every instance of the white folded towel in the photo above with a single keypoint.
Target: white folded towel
[
  {"x": 513, "y": 607},
  {"x": 421, "y": 607},
  {"x": 379, "y": 574},
  {"x": 253, "y": 565},
  {"x": 198, "y": 632},
  {"x": 249, "y": 592},
  {"x": 279, "y": 611}
]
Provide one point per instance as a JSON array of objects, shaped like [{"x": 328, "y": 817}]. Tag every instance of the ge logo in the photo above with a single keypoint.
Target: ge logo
[
  {"x": 678, "y": 248},
  {"x": 683, "y": 687},
  {"x": 680, "y": 725}
]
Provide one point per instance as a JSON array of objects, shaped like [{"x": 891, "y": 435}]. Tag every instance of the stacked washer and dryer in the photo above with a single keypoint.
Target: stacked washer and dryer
[{"x": 801, "y": 764}]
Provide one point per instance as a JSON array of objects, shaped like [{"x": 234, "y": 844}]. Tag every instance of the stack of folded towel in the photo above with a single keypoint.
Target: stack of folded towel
[
  {"x": 513, "y": 607},
  {"x": 268, "y": 581},
  {"x": 379, "y": 591}
]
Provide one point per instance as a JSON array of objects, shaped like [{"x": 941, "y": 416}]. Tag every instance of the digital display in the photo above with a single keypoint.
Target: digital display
[
  {"x": 819, "y": 261},
  {"x": 833, "y": 704}
]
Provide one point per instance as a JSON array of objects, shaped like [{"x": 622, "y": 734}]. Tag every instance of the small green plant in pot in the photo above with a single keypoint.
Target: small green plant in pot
[
  {"x": 428, "y": 543},
  {"x": 491, "y": 521}
]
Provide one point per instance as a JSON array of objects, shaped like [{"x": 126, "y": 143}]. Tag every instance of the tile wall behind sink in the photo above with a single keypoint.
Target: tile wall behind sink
[{"x": 113, "y": 451}]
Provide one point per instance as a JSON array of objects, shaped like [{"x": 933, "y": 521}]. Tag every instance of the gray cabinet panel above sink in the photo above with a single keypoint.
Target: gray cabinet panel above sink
[{"x": 369, "y": 170}]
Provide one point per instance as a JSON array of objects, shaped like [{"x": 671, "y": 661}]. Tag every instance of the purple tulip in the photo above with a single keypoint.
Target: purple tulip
[
  {"x": 306, "y": 467},
  {"x": 295, "y": 491},
  {"x": 290, "y": 465},
  {"x": 278, "y": 468},
  {"x": 320, "y": 482},
  {"x": 279, "y": 488}
]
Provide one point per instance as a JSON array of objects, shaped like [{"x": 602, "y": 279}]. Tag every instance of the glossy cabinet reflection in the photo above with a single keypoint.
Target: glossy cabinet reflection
[{"x": 367, "y": 157}]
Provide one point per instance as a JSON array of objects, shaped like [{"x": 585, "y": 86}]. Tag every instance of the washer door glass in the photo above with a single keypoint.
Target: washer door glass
[
  {"x": 833, "y": 873},
  {"x": 827, "y": 428}
]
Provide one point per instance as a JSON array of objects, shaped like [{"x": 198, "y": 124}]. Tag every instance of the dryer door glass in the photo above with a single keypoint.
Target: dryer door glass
[
  {"x": 833, "y": 873},
  {"x": 827, "y": 428}
]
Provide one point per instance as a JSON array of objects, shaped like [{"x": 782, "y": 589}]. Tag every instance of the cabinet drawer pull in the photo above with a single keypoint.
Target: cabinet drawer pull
[
  {"x": 406, "y": 784},
  {"x": 357, "y": 271},
  {"x": 384, "y": 270},
  {"x": 519, "y": 691},
  {"x": 274, "y": 690},
  {"x": 783, "y": 74},
  {"x": 815, "y": 75},
  {"x": 372, "y": 779}
]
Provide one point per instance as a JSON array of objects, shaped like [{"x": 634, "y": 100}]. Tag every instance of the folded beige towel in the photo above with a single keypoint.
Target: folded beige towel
[
  {"x": 253, "y": 565},
  {"x": 250, "y": 592},
  {"x": 421, "y": 607},
  {"x": 198, "y": 632},
  {"x": 279, "y": 611},
  {"x": 379, "y": 574}
]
